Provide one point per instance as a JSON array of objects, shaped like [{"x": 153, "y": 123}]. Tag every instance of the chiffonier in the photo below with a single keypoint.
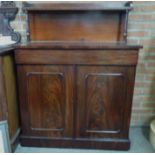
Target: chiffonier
[{"x": 76, "y": 75}]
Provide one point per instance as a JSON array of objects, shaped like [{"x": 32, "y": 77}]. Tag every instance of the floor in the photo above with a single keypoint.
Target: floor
[{"x": 139, "y": 143}]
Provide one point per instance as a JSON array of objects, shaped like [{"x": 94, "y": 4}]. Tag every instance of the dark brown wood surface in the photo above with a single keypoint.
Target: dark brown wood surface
[
  {"x": 82, "y": 26},
  {"x": 100, "y": 57},
  {"x": 76, "y": 45},
  {"x": 105, "y": 143},
  {"x": 85, "y": 21},
  {"x": 46, "y": 97},
  {"x": 102, "y": 95},
  {"x": 98, "y": 87}
]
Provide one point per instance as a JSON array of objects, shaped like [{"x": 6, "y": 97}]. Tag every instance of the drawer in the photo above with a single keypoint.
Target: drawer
[{"x": 68, "y": 57}]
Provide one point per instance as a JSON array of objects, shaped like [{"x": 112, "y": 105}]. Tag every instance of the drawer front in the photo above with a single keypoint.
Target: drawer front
[{"x": 99, "y": 57}]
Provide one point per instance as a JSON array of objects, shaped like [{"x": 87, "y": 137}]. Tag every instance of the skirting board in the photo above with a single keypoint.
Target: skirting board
[{"x": 112, "y": 144}]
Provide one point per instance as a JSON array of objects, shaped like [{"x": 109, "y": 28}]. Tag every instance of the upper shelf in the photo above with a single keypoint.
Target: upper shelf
[
  {"x": 78, "y": 6},
  {"x": 78, "y": 21}
]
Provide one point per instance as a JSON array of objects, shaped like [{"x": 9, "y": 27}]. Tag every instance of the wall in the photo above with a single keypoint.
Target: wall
[{"x": 141, "y": 30}]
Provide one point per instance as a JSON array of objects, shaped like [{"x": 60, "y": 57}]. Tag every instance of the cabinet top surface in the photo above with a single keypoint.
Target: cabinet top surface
[
  {"x": 5, "y": 49},
  {"x": 77, "y": 6},
  {"x": 74, "y": 45}
]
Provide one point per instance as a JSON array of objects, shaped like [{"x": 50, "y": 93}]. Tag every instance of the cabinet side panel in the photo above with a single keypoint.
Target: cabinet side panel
[
  {"x": 2, "y": 94},
  {"x": 130, "y": 72},
  {"x": 11, "y": 96}
]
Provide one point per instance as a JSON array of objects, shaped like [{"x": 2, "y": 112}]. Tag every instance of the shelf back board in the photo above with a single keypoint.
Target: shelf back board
[{"x": 77, "y": 22}]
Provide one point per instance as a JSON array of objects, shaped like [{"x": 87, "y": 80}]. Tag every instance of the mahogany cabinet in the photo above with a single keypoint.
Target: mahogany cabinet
[
  {"x": 76, "y": 98},
  {"x": 76, "y": 79}
]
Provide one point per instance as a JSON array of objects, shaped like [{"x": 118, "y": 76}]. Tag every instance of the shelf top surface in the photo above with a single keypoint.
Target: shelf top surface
[
  {"x": 74, "y": 45},
  {"x": 78, "y": 6}
]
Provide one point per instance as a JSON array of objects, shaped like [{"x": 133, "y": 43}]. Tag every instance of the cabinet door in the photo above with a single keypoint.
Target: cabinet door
[
  {"x": 104, "y": 97},
  {"x": 46, "y": 100}
]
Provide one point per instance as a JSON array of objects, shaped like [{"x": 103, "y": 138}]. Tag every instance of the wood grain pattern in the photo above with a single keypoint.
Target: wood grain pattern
[
  {"x": 100, "y": 101},
  {"x": 46, "y": 95},
  {"x": 78, "y": 26},
  {"x": 78, "y": 21},
  {"x": 47, "y": 90},
  {"x": 100, "y": 57}
]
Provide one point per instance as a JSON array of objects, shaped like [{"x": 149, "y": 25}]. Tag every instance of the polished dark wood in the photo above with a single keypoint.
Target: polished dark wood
[
  {"x": 76, "y": 45},
  {"x": 95, "y": 21},
  {"x": 76, "y": 98},
  {"x": 76, "y": 76},
  {"x": 72, "y": 26},
  {"x": 100, "y": 57},
  {"x": 49, "y": 91},
  {"x": 102, "y": 100},
  {"x": 87, "y": 143}
]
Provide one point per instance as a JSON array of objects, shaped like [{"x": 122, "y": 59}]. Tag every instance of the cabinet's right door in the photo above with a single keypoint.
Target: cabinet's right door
[{"x": 104, "y": 97}]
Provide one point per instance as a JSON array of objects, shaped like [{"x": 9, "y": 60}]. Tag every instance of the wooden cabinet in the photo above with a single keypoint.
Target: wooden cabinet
[
  {"x": 77, "y": 102},
  {"x": 76, "y": 79}
]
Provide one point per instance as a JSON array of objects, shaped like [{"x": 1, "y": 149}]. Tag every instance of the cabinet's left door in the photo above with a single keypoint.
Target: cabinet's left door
[{"x": 46, "y": 100}]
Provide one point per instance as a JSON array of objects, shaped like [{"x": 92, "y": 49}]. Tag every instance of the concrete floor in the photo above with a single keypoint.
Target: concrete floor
[{"x": 138, "y": 137}]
